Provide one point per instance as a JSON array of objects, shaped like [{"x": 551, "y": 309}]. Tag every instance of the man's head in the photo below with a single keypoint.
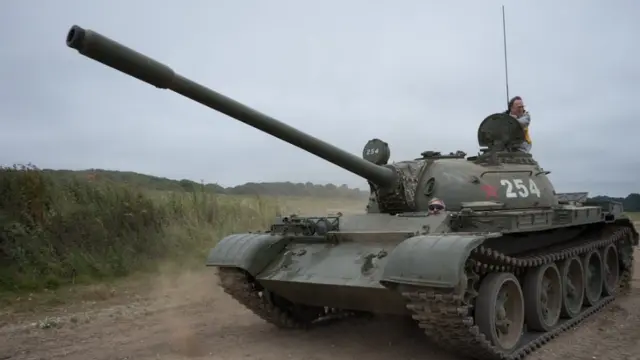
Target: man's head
[
  {"x": 436, "y": 206},
  {"x": 516, "y": 106}
]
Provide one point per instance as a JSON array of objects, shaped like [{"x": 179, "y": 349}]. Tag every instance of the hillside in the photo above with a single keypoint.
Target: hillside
[{"x": 150, "y": 182}]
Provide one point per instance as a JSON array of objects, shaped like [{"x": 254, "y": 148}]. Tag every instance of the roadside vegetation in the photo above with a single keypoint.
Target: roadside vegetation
[
  {"x": 60, "y": 227},
  {"x": 61, "y": 231}
]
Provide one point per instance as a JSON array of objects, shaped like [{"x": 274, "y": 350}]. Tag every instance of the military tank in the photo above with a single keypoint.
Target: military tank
[{"x": 480, "y": 251}]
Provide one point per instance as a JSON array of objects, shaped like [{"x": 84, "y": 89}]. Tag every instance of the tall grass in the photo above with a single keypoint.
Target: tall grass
[{"x": 58, "y": 231}]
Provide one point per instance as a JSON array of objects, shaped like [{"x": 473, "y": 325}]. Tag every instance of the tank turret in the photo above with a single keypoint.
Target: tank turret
[{"x": 506, "y": 178}]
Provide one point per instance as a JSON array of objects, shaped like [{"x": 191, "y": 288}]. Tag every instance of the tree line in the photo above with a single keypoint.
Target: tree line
[{"x": 150, "y": 182}]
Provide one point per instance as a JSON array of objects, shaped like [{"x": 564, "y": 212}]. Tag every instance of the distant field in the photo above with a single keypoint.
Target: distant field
[
  {"x": 635, "y": 216},
  {"x": 317, "y": 206},
  {"x": 287, "y": 205}
]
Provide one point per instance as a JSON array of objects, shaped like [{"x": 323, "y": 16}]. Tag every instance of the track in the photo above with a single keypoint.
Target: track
[
  {"x": 249, "y": 293},
  {"x": 188, "y": 317},
  {"x": 447, "y": 318}
]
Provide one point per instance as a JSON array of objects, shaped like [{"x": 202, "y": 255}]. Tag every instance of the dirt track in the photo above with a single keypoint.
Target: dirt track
[{"x": 189, "y": 317}]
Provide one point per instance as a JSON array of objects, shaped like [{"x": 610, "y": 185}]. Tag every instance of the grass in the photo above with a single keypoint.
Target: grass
[
  {"x": 63, "y": 232},
  {"x": 60, "y": 231}
]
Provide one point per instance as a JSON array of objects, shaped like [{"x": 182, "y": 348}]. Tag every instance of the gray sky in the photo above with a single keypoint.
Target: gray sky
[{"x": 419, "y": 74}]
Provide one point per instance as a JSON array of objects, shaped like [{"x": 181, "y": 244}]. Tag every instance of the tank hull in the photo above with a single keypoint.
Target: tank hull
[
  {"x": 345, "y": 276},
  {"x": 416, "y": 266},
  {"x": 343, "y": 269}
]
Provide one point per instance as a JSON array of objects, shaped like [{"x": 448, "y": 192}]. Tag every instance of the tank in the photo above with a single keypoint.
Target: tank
[{"x": 480, "y": 251}]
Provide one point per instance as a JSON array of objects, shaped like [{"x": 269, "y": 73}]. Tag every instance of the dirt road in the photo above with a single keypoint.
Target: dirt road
[{"x": 189, "y": 317}]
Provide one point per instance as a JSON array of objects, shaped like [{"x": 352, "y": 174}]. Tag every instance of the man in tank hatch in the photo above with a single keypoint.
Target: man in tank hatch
[
  {"x": 436, "y": 206},
  {"x": 517, "y": 110}
]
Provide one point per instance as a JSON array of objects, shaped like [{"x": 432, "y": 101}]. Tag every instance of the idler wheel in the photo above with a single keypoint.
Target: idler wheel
[
  {"x": 611, "y": 269},
  {"x": 572, "y": 287},
  {"x": 499, "y": 310},
  {"x": 593, "y": 274},
  {"x": 542, "y": 297}
]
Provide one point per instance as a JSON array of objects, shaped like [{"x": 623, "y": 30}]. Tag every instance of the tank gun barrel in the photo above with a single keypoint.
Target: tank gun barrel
[{"x": 113, "y": 54}]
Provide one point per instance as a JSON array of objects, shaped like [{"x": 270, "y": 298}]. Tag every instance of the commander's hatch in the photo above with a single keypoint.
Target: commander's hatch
[{"x": 500, "y": 132}]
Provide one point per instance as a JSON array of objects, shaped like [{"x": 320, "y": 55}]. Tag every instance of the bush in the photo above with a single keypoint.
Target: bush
[{"x": 55, "y": 231}]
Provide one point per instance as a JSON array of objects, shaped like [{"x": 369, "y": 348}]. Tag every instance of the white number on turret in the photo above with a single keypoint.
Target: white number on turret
[
  {"x": 516, "y": 188},
  {"x": 371, "y": 151}
]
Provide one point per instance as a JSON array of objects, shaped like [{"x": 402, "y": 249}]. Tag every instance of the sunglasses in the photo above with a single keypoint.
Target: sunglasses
[{"x": 434, "y": 207}]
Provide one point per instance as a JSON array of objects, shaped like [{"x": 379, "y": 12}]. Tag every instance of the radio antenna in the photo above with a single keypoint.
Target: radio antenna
[{"x": 506, "y": 68}]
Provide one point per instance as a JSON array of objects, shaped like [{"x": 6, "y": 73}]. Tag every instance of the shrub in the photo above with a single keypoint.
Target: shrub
[{"x": 55, "y": 230}]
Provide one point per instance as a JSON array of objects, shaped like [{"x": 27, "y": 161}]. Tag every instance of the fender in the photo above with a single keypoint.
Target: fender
[
  {"x": 431, "y": 260},
  {"x": 249, "y": 252}
]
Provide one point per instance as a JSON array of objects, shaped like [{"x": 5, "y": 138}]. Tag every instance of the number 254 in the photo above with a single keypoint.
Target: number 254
[{"x": 521, "y": 190}]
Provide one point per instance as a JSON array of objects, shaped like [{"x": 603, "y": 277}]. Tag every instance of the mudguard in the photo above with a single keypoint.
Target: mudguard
[
  {"x": 432, "y": 260},
  {"x": 250, "y": 252}
]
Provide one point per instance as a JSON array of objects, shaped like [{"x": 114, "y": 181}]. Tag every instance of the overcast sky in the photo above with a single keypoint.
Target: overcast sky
[{"x": 418, "y": 74}]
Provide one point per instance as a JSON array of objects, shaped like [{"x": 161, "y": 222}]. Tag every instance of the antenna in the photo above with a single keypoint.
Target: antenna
[{"x": 506, "y": 68}]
